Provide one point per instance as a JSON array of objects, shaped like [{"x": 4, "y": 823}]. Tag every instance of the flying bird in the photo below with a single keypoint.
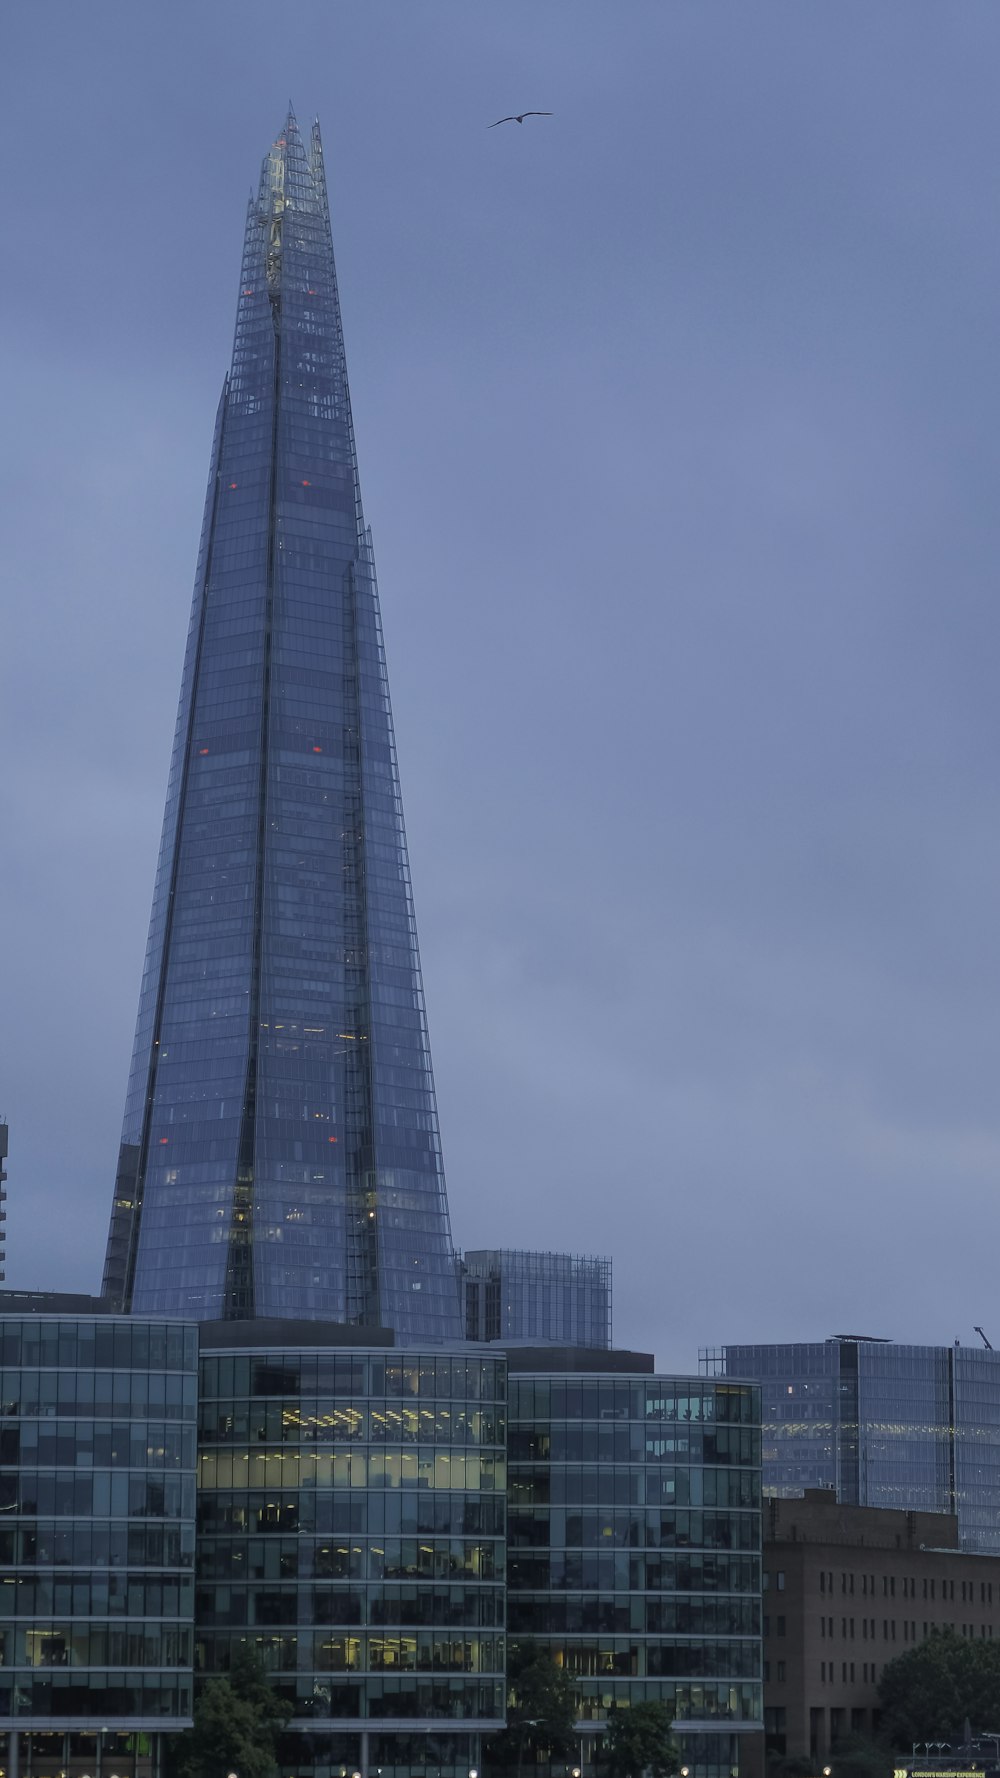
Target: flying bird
[{"x": 524, "y": 114}]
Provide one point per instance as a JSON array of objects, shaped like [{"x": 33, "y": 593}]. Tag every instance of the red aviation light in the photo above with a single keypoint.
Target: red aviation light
[
  {"x": 331, "y": 1138},
  {"x": 307, "y": 484},
  {"x": 202, "y": 752},
  {"x": 232, "y": 484},
  {"x": 164, "y": 1140},
  {"x": 317, "y": 749}
]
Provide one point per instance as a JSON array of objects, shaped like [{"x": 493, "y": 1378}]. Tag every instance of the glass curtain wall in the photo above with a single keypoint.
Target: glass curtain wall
[
  {"x": 634, "y": 1546},
  {"x": 351, "y": 1520},
  {"x": 98, "y": 1422},
  {"x": 280, "y": 1152}
]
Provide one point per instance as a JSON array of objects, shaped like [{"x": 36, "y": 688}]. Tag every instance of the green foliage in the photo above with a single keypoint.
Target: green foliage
[
  {"x": 237, "y": 1721},
  {"x": 640, "y": 1740},
  {"x": 927, "y": 1693},
  {"x": 541, "y": 1711}
]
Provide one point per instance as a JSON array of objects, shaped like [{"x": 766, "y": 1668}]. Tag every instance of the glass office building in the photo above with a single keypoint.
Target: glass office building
[
  {"x": 351, "y": 1518},
  {"x": 634, "y": 1542},
  {"x": 280, "y": 1154},
  {"x": 98, "y": 1419},
  {"x": 561, "y": 1298},
  {"x": 912, "y": 1427}
]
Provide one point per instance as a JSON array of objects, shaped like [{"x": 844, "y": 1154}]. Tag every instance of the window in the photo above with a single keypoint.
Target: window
[
  {"x": 780, "y": 1579},
  {"x": 780, "y": 1623},
  {"x": 781, "y": 1672}
]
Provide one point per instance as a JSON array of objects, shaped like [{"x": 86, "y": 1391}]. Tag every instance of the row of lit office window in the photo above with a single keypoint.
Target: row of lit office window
[{"x": 326, "y": 1422}]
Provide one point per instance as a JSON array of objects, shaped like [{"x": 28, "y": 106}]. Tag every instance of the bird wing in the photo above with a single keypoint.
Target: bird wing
[
  {"x": 492, "y": 126},
  {"x": 537, "y": 114}
]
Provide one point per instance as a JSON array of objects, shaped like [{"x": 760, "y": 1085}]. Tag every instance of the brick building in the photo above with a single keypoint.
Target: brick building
[{"x": 846, "y": 1590}]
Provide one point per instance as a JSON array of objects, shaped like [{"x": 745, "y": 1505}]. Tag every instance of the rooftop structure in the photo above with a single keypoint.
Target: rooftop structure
[{"x": 541, "y": 1297}]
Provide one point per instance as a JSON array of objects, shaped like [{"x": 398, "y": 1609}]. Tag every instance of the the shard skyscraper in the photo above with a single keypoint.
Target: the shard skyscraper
[{"x": 280, "y": 1152}]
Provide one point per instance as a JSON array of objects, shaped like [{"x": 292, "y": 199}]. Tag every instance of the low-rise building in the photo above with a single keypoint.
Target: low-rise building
[{"x": 846, "y": 1590}]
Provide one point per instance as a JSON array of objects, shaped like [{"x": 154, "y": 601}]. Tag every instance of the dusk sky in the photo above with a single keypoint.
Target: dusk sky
[{"x": 677, "y": 417}]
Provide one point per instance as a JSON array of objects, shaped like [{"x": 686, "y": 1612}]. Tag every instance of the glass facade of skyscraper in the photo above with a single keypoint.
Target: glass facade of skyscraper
[
  {"x": 280, "y": 1153},
  {"x": 98, "y": 1420},
  {"x": 634, "y": 1544},
  {"x": 351, "y": 1521},
  {"x": 912, "y": 1427},
  {"x": 558, "y": 1298}
]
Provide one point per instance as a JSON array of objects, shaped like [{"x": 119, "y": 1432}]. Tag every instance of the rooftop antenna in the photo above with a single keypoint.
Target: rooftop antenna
[{"x": 985, "y": 1341}]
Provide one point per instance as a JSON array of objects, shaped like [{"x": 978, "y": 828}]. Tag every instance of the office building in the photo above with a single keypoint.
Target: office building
[
  {"x": 351, "y": 1508},
  {"x": 280, "y": 1153},
  {"x": 350, "y": 1526},
  {"x": 912, "y": 1427},
  {"x": 557, "y": 1298},
  {"x": 846, "y": 1590},
  {"x": 634, "y": 1542},
  {"x": 98, "y": 1420}
]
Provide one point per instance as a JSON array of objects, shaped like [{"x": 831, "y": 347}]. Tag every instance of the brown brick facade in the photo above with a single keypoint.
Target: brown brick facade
[{"x": 848, "y": 1589}]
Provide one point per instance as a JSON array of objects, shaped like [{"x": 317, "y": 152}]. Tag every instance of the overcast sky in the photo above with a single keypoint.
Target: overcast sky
[{"x": 677, "y": 417}]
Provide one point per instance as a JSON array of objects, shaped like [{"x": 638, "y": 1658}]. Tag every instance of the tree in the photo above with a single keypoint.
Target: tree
[
  {"x": 860, "y": 1757},
  {"x": 237, "y": 1721},
  {"x": 928, "y": 1693},
  {"x": 640, "y": 1739},
  {"x": 541, "y": 1710}
]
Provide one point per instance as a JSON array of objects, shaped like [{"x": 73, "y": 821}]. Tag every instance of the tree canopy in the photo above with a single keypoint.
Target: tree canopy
[
  {"x": 640, "y": 1739},
  {"x": 928, "y": 1693},
  {"x": 541, "y": 1709},
  {"x": 237, "y": 1721}
]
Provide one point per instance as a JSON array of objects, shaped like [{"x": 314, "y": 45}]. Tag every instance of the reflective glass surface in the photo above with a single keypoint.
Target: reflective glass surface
[
  {"x": 887, "y": 1425},
  {"x": 634, "y": 1545},
  {"x": 351, "y": 1529},
  {"x": 560, "y": 1299},
  {"x": 280, "y": 1152},
  {"x": 98, "y": 1423}
]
